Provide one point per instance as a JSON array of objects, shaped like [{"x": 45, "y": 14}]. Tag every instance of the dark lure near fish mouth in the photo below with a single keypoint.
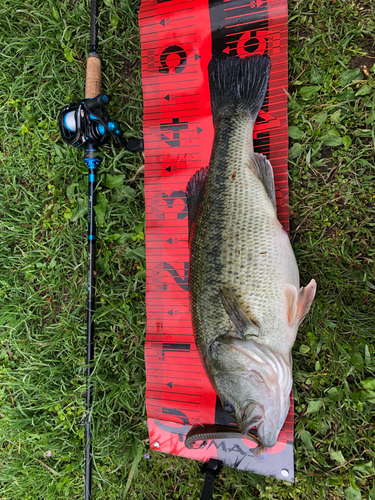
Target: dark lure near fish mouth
[{"x": 245, "y": 297}]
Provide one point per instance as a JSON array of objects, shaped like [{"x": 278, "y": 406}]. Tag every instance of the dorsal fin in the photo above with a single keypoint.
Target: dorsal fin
[
  {"x": 194, "y": 195},
  {"x": 263, "y": 170}
]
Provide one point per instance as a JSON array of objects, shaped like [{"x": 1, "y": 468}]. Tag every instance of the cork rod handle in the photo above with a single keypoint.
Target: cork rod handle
[{"x": 93, "y": 76}]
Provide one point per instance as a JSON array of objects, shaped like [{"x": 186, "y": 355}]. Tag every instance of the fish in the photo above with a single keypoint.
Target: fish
[{"x": 245, "y": 296}]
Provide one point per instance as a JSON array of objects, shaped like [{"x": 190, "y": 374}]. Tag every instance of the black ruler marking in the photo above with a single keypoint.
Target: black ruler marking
[
  {"x": 172, "y": 8},
  {"x": 159, "y": 407},
  {"x": 173, "y": 20},
  {"x": 194, "y": 72},
  {"x": 167, "y": 90},
  {"x": 177, "y": 28}
]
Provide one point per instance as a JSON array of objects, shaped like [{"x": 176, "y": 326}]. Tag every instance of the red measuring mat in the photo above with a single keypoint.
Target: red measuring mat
[{"x": 178, "y": 40}]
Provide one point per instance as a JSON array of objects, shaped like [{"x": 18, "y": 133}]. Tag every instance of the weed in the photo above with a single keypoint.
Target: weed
[{"x": 43, "y": 232}]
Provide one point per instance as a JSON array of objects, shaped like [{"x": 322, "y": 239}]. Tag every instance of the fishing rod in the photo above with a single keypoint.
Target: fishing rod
[{"x": 86, "y": 124}]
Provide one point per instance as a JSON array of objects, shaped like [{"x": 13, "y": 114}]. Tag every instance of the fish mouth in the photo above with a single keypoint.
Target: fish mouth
[{"x": 252, "y": 416}]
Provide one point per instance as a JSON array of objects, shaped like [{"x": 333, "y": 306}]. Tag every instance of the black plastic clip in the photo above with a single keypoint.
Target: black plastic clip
[
  {"x": 211, "y": 469},
  {"x": 134, "y": 145}
]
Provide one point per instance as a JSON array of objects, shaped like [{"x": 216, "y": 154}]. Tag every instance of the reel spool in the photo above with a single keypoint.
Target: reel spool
[{"x": 88, "y": 121}]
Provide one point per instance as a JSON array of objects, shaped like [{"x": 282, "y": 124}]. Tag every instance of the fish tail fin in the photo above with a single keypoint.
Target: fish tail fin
[{"x": 238, "y": 85}]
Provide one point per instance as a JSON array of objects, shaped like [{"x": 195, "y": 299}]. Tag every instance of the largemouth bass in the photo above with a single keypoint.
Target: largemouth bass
[{"x": 246, "y": 300}]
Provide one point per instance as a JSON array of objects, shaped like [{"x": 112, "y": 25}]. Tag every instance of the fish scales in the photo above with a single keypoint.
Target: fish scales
[
  {"x": 245, "y": 298},
  {"x": 237, "y": 242}
]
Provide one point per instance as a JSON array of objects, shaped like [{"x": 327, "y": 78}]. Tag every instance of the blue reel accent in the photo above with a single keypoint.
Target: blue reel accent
[
  {"x": 92, "y": 162},
  {"x": 91, "y": 237},
  {"x": 91, "y": 177},
  {"x": 101, "y": 129},
  {"x": 112, "y": 126}
]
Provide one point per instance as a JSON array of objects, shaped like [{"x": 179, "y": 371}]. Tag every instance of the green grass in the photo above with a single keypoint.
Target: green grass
[{"x": 43, "y": 258}]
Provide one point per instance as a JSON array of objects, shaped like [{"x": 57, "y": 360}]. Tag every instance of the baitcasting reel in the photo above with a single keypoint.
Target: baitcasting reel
[{"x": 88, "y": 121}]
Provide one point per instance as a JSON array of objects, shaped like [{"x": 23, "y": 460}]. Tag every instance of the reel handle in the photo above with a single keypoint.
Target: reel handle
[
  {"x": 96, "y": 102},
  {"x": 93, "y": 76}
]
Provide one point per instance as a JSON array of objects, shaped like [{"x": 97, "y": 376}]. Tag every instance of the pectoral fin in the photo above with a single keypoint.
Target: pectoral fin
[
  {"x": 298, "y": 303},
  {"x": 244, "y": 325}
]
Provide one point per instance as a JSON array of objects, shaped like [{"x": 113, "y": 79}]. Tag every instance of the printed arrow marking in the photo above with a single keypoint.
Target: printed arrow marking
[
  {"x": 167, "y": 97},
  {"x": 171, "y": 311},
  {"x": 199, "y": 130},
  {"x": 170, "y": 241},
  {"x": 226, "y": 51},
  {"x": 197, "y": 57},
  {"x": 162, "y": 22},
  {"x": 169, "y": 169},
  {"x": 170, "y": 384}
]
